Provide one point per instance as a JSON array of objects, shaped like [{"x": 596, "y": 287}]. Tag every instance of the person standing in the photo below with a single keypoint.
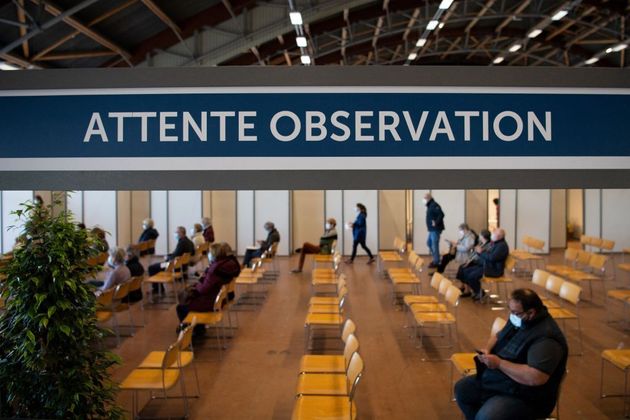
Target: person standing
[
  {"x": 435, "y": 226},
  {"x": 359, "y": 233}
]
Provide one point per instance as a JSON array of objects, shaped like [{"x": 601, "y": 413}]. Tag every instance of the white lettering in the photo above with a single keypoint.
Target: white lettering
[
  {"x": 144, "y": 116},
  {"x": 244, "y": 125},
  {"x": 466, "y": 115},
  {"x": 297, "y": 126},
  {"x": 485, "y": 136},
  {"x": 95, "y": 127},
  {"x": 497, "y": 126},
  {"x": 312, "y": 125},
  {"x": 189, "y": 121},
  {"x": 337, "y": 124},
  {"x": 416, "y": 131},
  {"x": 120, "y": 124},
  {"x": 166, "y": 126},
  {"x": 384, "y": 126},
  {"x": 222, "y": 115},
  {"x": 359, "y": 125},
  {"x": 441, "y": 126},
  {"x": 532, "y": 120}
]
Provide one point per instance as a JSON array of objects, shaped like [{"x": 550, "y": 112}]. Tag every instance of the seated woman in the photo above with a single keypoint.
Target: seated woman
[
  {"x": 119, "y": 272},
  {"x": 473, "y": 263},
  {"x": 325, "y": 244},
  {"x": 460, "y": 250},
  {"x": 132, "y": 261},
  {"x": 223, "y": 268}
]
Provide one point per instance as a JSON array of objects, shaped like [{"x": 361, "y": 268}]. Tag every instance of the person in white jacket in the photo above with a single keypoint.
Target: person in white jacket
[{"x": 459, "y": 250}]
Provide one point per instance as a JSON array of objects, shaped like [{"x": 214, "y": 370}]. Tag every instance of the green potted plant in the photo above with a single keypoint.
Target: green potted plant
[{"x": 52, "y": 362}]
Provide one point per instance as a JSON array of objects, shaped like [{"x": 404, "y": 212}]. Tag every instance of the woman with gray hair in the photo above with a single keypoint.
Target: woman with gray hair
[{"x": 119, "y": 272}]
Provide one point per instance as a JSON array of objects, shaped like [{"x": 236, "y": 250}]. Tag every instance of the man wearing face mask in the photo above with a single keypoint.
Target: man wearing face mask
[
  {"x": 119, "y": 272},
  {"x": 148, "y": 233},
  {"x": 184, "y": 245},
  {"x": 273, "y": 236},
  {"x": 325, "y": 244},
  {"x": 493, "y": 263},
  {"x": 460, "y": 250},
  {"x": 520, "y": 371},
  {"x": 435, "y": 226}
]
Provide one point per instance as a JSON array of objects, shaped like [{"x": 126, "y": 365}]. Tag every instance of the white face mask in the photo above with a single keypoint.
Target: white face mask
[
  {"x": 460, "y": 234},
  {"x": 110, "y": 261},
  {"x": 145, "y": 227},
  {"x": 516, "y": 321},
  {"x": 357, "y": 210},
  {"x": 328, "y": 226},
  {"x": 425, "y": 201},
  {"x": 211, "y": 258},
  {"x": 176, "y": 236},
  {"x": 493, "y": 237}
]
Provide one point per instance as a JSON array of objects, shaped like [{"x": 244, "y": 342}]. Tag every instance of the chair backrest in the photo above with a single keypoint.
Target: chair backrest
[
  {"x": 510, "y": 263},
  {"x": 185, "y": 258},
  {"x": 342, "y": 291},
  {"x": 341, "y": 282},
  {"x": 585, "y": 240},
  {"x": 452, "y": 295},
  {"x": 202, "y": 248},
  {"x": 419, "y": 264},
  {"x": 412, "y": 258},
  {"x": 273, "y": 249},
  {"x": 436, "y": 280},
  {"x": 539, "y": 278},
  {"x": 607, "y": 244},
  {"x": 185, "y": 337},
  {"x": 348, "y": 328},
  {"x": 570, "y": 254},
  {"x": 444, "y": 285},
  {"x": 570, "y": 292},
  {"x": 598, "y": 262},
  {"x": 583, "y": 257},
  {"x": 135, "y": 283},
  {"x": 333, "y": 246},
  {"x": 355, "y": 370},
  {"x": 218, "y": 301},
  {"x": 596, "y": 242},
  {"x": 352, "y": 345},
  {"x": 554, "y": 283},
  {"x": 536, "y": 244},
  {"x": 497, "y": 325},
  {"x": 121, "y": 290},
  {"x": 171, "y": 357},
  {"x": 105, "y": 299}
]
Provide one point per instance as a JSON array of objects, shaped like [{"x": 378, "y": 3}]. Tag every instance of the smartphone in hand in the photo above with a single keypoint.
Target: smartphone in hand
[{"x": 479, "y": 351}]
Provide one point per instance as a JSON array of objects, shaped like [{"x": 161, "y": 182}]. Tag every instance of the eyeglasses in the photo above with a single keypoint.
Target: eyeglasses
[{"x": 518, "y": 314}]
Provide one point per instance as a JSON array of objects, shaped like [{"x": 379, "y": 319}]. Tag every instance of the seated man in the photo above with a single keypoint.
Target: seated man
[
  {"x": 493, "y": 262},
  {"x": 184, "y": 245},
  {"x": 254, "y": 252},
  {"x": 520, "y": 371},
  {"x": 148, "y": 233},
  {"x": 460, "y": 250},
  {"x": 325, "y": 244}
]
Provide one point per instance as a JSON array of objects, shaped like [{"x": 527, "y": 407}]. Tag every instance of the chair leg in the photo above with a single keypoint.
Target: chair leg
[{"x": 601, "y": 380}]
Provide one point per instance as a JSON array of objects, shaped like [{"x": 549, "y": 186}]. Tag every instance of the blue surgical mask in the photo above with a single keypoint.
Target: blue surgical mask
[{"x": 516, "y": 321}]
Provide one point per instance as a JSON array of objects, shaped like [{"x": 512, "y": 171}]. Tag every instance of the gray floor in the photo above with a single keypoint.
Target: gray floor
[{"x": 257, "y": 375}]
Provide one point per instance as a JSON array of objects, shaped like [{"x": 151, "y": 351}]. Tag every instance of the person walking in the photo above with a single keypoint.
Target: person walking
[
  {"x": 359, "y": 233},
  {"x": 435, "y": 226}
]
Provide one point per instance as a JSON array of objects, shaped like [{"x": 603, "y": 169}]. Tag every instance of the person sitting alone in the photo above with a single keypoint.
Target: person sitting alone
[
  {"x": 148, "y": 233},
  {"x": 223, "y": 268},
  {"x": 119, "y": 272},
  {"x": 460, "y": 250},
  {"x": 184, "y": 245},
  {"x": 273, "y": 236},
  {"x": 520, "y": 371},
  {"x": 324, "y": 247}
]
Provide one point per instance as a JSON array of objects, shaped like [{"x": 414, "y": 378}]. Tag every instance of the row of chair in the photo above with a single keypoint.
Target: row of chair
[
  {"x": 581, "y": 266},
  {"x": 405, "y": 280},
  {"x": 388, "y": 256},
  {"x": 531, "y": 254},
  {"x": 115, "y": 300},
  {"x": 592, "y": 242}
]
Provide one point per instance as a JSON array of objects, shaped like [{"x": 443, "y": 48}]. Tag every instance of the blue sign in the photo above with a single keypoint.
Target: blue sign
[{"x": 314, "y": 125}]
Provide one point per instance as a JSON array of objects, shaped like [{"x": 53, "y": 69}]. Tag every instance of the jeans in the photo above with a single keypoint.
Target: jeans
[
  {"x": 361, "y": 242},
  {"x": 477, "y": 405},
  {"x": 433, "y": 242},
  {"x": 250, "y": 254}
]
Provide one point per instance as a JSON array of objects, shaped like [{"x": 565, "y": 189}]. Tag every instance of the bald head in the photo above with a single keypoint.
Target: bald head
[
  {"x": 498, "y": 234},
  {"x": 428, "y": 196}
]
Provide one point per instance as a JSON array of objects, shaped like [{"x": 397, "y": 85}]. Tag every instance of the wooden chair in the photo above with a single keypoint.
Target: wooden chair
[
  {"x": 619, "y": 358},
  {"x": 161, "y": 379},
  {"x": 435, "y": 283},
  {"x": 171, "y": 276},
  {"x": 539, "y": 278},
  {"x": 211, "y": 319},
  {"x": 500, "y": 283},
  {"x": 339, "y": 384},
  {"x": 569, "y": 294},
  {"x": 439, "y": 319},
  {"x": 328, "y": 363}
]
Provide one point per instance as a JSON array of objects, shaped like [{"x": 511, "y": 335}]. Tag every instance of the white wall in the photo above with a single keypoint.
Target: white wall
[
  {"x": 100, "y": 210},
  {"x": 533, "y": 210},
  {"x": 616, "y": 222},
  {"x": 369, "y": 198},
  {"x": 334, "y": 208},
  {"x": 11, "y": 201},
  {"x": 453, "y": 203},
  {"x": 507, "y": 201},
  {"x": 245, "y": 221},
  {"x": 558, "y": 219},
  {"x": 592, "y": 212},
  {"x": 308, "y": 217},
  {"x": 477, "y": 209},
  {"x": 420, "y": 231},
  {"x": 184, "y": 209},
  {"x": 575, "y": 210},
  {"x": 74, "y": 203},
  {"x": 159, "y": 214},
  {"x": 224, "y": 220},
  {"x": 391, "y": 217},
  {"x": 273, "y": 206}
]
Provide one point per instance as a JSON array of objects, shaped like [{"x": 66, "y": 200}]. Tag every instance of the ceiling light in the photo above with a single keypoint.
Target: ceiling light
[
  {"x": 498, "y": 60},
  {"x": 7, "y": 66},
  {"x": 515, "y": 47},
  {"x": 305, "y": 59},
  {"x": 534, "y": 33},
  {"x": 559, "y": 14},
  {"x": 412, "y": 56},
  {"x": 432, "y": 25},
  {"x": 620, "y": 47},
  {"x": 591, "y": 60},
  {"x": 609, "y": 50},
  {"x": 296, "y": 18},
  {"x": 300, "y": 41},
  {"x": 445, "y": 4},
  {"x": 441, "y": 25},
  {"x": 421, "y": 42}
]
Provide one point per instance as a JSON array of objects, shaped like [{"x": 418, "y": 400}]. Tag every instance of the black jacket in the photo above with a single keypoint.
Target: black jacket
[
  {"x": 148, "y": 234},
  {"x": 434, "y": 214},
  {"x": 183, "y": 245},
  {"x": 494, "y": 258}
]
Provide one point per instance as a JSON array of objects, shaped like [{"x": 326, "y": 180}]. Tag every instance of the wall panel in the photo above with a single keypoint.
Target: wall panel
[
  {"x": 184, "y": 209},
  {"x": 245, "y": 220},
  {"x": 592, "y": 212},
  {"x": 124, "y": 218},
  {"x": 558, "y": 219},
  {"x": 477, "y": 209},
  {"x": 533, "y": 210},
  {"x": 575, "y": 211},
  {"x": 140, "y": 210},
  {"x": 100, "y": 210},
  {"x": 453, "y": 203},
  {"x": 224, "y": 216},
  {"x": 159, "y": 214},
  {"x": 508, "y": 203},
  {"x": 308, "y": 217},
  {"x": 273, "y": 206},
  {"x": 615, "y": 220},
  {"x": 10, "y": 201},
  {"x": 74, "y": 205},
  {"x": 206, "y": 204},
  {"x": 334, "y": 208},
  {"x": 391, "y": 214},
  {"x": 420, "y": 231},
  {"x": 369, "y": 198}
]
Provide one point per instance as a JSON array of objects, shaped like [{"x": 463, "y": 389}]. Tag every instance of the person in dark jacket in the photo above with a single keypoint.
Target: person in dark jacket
[
  {"x": 273, "y": 236},
  {"x": 148, "y": 233},
  {"x": 222, "y": 269},
  {"x": 435, "y": 226},
  {"x": 473, "y": 261},
  {"x": 132, "y": 261},
  {"x": 492, "y": 262},
  {"x": 208, "y": 230},
  {"x": 359, "y": 234},
  {"x": 184, "y": 245},
  {"x": 520, "y": 371}
]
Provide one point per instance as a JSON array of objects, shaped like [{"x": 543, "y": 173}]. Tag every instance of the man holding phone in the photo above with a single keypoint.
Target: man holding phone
[{"x": 521, "y": 368}]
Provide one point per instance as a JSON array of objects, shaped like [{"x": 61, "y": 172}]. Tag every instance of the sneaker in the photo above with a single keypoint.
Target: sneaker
[
  {"x": 466, "y": 294},
  {"x": 371, "y": 260},
  {"x": 433, "y": 265},
  {"x": 479, "y": 296},
  {"x": 295, "y": 271}
]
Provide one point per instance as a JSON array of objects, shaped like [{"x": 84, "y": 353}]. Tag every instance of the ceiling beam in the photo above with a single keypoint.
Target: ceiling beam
[
  {"x": 516, "y": 12},
  {"x": 157, "y": 11},
  {"x": 481, "y": 12},
  {"x": 76, "y": 55},
  {"x": 22, "y": 62},
  {"x": 22, "y": 19},
  {"x": 90, "y": 33}
]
